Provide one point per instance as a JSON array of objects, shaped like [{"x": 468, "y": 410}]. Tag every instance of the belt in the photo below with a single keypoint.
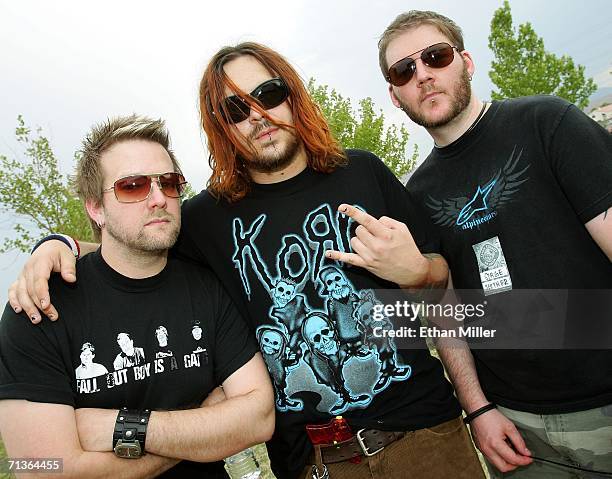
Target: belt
[{"x": 366, "y": 442}]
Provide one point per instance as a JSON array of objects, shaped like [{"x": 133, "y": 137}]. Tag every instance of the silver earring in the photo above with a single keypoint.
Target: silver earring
[{"x": 470, "y": 77}]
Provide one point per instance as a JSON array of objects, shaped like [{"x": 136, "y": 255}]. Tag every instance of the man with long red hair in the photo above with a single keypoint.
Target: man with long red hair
[
  {"x": 282, "y": 194},
  {"x": 306, "y": 138},
  {"x": 275, "y": 203}
]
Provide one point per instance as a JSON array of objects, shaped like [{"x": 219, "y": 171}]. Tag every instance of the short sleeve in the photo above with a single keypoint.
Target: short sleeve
[
  {"x": 581, "y": 158},
  {"x": 234, "y": 342},
  {"x": 31, "y": 364}
]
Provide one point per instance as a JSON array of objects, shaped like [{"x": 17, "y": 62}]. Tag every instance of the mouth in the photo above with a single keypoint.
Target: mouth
[
  {"x": 157, "y": 221},
  {"x": 340, "y": 291},
  {"x": 430, "y": 96},
  {"x": 268, "y": 132}
]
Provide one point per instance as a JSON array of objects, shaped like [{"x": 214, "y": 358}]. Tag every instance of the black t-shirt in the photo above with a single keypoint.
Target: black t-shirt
[
  {"x": 520, "y": 186},
  {"x": 309, "y": 313},
  {"x": 127, "y": 342}
]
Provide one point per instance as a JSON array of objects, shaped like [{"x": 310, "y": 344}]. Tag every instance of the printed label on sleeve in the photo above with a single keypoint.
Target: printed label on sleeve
[{"x": 494, "y": 274}]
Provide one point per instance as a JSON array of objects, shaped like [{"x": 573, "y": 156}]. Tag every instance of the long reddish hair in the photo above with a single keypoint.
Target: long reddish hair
[{"x": 230, "y": 178}]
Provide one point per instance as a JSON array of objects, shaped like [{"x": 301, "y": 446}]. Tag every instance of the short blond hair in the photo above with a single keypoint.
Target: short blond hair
[
  {"x": 414, "y": 19},
  {"x": 88, "y": 180}
]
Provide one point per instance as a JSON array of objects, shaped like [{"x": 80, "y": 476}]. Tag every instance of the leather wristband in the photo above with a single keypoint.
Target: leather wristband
[
  {"x": 67, "y": 240},
  {"x": 473, "y": 415},
  {"x": 131, "y": 425}
]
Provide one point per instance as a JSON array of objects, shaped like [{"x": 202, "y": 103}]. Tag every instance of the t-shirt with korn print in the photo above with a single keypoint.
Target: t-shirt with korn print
[{"x": 312, "y": 316}]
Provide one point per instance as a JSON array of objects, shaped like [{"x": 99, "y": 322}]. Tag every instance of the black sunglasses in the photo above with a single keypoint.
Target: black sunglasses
[
  {"x": 439, "y": 55},
  {"x": 269, "y": 94}
]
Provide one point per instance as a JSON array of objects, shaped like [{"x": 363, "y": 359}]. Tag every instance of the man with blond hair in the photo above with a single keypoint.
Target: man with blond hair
[{"x": 148, "y": 408}]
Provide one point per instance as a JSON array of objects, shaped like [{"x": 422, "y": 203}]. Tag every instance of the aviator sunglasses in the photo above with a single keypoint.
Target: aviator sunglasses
[
  {"x": 269, "y": 95},
  {"x": 439, "y": 55},
  {"x": 135, "y": 188}
]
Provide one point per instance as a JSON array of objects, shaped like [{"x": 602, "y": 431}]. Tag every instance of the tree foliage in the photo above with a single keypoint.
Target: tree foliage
[
  {"x": 523, "y": 67},
  {"x": 37, "y": 195},
  {"x": 364, "y": 128}
]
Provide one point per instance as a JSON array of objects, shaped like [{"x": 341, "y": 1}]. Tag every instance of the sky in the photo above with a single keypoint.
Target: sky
[{"x": 65, "y": 65}]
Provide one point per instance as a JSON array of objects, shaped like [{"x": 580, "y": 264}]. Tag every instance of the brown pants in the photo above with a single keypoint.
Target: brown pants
[{"x": 440, "y": 452}]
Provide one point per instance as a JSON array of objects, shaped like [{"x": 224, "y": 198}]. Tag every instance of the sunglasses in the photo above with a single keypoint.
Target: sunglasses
[
  {"x": 439, "y": 55},
  {"x": 268, "y": 95},
  {"x": 135, "y": 188}
]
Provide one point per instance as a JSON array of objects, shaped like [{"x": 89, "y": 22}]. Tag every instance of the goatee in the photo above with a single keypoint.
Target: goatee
[{"x": 270, "y": 161}]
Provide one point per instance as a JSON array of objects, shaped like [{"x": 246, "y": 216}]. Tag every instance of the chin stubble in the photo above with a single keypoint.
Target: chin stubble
[
  {"x": 141, "y": 244},
  {"x": 461, "y": 95},
  {"x": 276, "y": 160}
]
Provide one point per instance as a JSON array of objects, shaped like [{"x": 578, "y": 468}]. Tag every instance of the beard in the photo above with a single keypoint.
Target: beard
[
  {"x": 461, "y": 94},
  {"x": 142, "y": 241},
  {"x": 282, "y": 154}
]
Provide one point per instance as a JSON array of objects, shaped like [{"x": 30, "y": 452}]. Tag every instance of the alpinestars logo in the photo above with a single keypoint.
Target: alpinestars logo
[
  {"x": 477, "y": 203},
  {"x": 483, "y": 205}
]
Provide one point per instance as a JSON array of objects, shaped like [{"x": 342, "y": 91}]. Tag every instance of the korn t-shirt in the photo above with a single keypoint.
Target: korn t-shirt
[
  {"x": 312, "y": 316},
  {"x": 162, "y": 342}
]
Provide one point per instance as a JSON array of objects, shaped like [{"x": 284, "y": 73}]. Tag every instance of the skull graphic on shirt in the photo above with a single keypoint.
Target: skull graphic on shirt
[
  {"x": 283, "y": 292},
  {"x": 335, "y": 283}
]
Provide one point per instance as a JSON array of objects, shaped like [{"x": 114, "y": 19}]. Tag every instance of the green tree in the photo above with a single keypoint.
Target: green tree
[
  {"x": 364, "y": 128},
  {"x": 523, "y": 67},
  {"x": 33, "y": 190}
]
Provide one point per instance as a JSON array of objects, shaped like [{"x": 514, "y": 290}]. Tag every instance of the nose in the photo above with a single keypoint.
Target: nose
[
  {"x": 422, "y": 73},
  {"x": 157, "y": 198},
  {"x": 255, "y": 115}
]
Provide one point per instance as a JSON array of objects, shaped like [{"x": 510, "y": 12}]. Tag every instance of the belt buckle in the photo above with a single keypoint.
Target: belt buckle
[{"x": 364, "y": 448}]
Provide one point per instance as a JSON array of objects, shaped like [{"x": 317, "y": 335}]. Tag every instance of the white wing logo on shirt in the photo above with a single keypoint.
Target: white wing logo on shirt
[{"x": 467, "y": 213}]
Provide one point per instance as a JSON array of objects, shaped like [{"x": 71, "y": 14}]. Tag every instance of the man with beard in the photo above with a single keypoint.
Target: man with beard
[
  {"x": 270, "y": 212},
  {"x": 499, "y": 173},
  {"x": 131, "y": 183}
]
